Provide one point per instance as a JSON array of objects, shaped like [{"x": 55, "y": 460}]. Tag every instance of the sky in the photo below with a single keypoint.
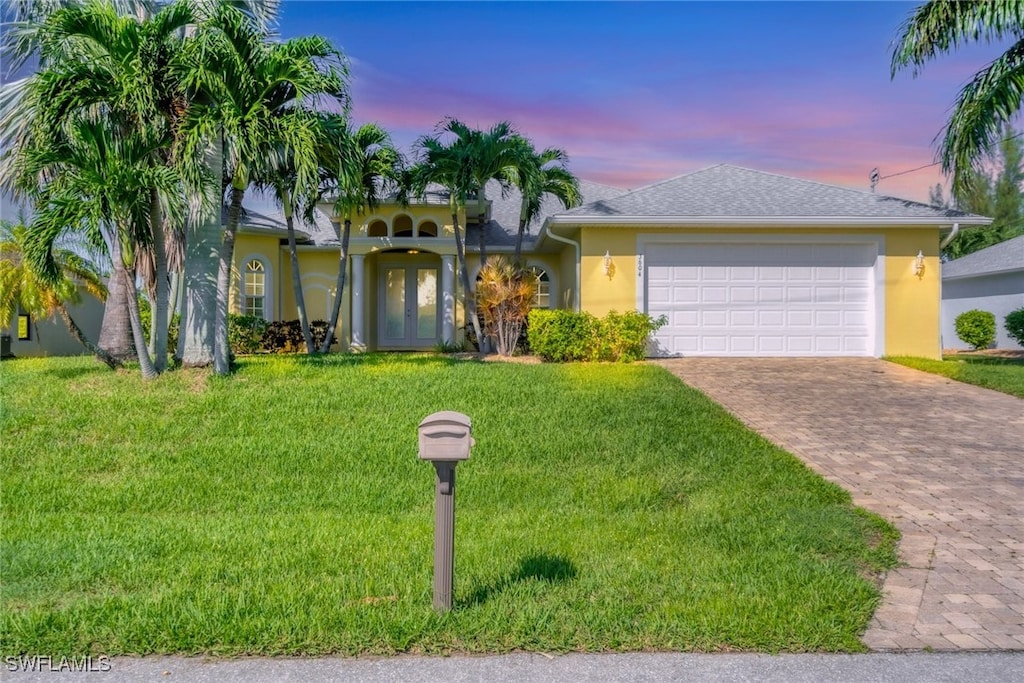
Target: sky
[{"x": 641, "y": 92}]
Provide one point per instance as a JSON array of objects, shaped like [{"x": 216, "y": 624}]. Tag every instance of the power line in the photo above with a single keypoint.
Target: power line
[{"x": 875, "y": 177}]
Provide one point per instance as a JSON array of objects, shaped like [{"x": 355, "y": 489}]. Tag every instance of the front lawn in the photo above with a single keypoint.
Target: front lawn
[
  {"x": 283, "y": 510},
  {"x": 992, "y": 372}
]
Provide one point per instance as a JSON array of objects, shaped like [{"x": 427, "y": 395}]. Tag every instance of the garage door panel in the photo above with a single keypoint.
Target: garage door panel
[{"x": 757, "y": 299}]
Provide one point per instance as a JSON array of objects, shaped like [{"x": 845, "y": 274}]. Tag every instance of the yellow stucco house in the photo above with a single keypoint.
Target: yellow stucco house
[{"x": 740, "y": 262}]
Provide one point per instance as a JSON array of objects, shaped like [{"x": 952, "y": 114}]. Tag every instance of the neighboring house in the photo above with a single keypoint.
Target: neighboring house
[
  {"x": 740, "y": 262},
  {"x": 992, "y": 280},
  {"x": 50, "y": 337}
]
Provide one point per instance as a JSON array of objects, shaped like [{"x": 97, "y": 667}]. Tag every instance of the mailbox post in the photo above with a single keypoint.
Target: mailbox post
[{"x": 445, "y": 438}]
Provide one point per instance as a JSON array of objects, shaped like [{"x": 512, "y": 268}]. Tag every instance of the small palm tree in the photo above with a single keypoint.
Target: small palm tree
[
  {"x": 542, "y": 174},
  {"x": 991, "y": 99},
  {"x": 505, "y": 294},
  {"x": 22, "y": 287},
  {"x": 358, "y": 168}
]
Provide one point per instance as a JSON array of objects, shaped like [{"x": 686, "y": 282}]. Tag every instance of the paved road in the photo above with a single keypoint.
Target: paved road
[
  {"x": 880, "y": 668},
  {"x": 942, "y": 460}
]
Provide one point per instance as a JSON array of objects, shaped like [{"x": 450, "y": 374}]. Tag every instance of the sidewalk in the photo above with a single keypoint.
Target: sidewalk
[{"x": 976, "y": 667}]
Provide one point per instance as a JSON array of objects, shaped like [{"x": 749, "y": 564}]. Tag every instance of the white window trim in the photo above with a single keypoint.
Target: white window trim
[
  {"x": 552, "y": 282},
  {"x": 268, "y": 285}
]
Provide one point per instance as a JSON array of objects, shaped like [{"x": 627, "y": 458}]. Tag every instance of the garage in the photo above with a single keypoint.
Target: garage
[{"x": 762, "y": 299}]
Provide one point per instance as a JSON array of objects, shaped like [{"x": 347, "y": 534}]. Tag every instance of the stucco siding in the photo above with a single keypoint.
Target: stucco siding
[
  {"x": 50, "y": 337},
  {"x": 998, "y": 294}
]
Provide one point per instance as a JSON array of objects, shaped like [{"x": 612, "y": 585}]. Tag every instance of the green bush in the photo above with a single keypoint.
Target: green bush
[
  {"x": 1014, "y": 323},
  {"x": 245, "y": 333},
  {"x": 976, "y": 328},
  {"x": 564, "y": 336}
]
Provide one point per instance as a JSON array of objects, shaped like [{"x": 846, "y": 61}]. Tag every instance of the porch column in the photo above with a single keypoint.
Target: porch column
[
  {"x": 448, "y": 298},
  {"x": 358, "y": 304}
]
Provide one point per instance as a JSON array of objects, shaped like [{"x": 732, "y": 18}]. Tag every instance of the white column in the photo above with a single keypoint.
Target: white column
[
  {"x": 358, "y": 304},
  {"x": 448, "y": 298}
]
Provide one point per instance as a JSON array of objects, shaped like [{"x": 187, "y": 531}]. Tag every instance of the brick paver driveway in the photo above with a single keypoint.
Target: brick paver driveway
[{"x": 943, "y": 461}]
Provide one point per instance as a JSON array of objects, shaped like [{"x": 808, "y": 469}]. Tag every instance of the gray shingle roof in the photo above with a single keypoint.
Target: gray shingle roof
[
  {"x": 999, "y": 258},
  {"x": 726, "y": 191},
  {"x": 261, "y": 211},
  {"x": 504, "y": 223}
]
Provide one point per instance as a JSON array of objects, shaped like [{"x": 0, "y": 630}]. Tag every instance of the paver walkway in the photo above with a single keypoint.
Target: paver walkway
[{"x": 942, "y": 460}]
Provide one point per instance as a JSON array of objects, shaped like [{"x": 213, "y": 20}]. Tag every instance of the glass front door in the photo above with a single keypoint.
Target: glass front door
[{"x": 409, "y": 316}]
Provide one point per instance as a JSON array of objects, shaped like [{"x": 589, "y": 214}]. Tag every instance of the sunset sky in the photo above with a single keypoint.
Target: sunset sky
[{"x": 640, "y": 92}]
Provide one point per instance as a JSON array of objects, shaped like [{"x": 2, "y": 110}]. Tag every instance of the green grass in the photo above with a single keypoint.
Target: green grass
[
  {"x": 283, "y": 510},
  {"x": 992, "y": 372}
]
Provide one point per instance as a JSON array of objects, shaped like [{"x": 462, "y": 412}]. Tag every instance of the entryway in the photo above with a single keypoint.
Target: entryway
[{"x": 407, "y": 289}]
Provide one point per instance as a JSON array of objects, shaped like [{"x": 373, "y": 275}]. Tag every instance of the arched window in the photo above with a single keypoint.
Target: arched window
[
  {"x": 377, "y": 228},
  {"x": 427, "y": 229},
  {"x": 255, "y": 283},
  {"x": 402, "y": 226},
  {"x": 543, "y": 297}
]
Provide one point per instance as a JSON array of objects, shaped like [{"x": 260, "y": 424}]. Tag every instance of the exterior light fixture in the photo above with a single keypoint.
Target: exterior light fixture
[
  {"x": 608, "y": 263},
  {"x": 919, "y": 264}
]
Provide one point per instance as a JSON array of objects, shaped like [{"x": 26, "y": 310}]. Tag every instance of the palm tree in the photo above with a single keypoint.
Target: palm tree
[
  {"x": 248, "y": 92},
  {"x": 98, "y": 182},
  {"x": 463, "y": 166},
  {"x": 98, "y": 57},
  {"x": 21, "y": 287},
  {"x": 992, "y": 97},
  {"x": 367, "y": 165},
  {"x": 542, "y": 174}
]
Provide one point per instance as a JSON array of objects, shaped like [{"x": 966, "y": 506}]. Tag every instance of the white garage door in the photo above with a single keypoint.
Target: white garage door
[{"x": 762, "y": 299}]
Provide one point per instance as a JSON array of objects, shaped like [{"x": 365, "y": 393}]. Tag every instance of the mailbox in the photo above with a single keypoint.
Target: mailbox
[{"x": 446, "y": 436}]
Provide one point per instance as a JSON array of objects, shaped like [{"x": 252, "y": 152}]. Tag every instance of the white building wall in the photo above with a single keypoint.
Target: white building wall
[{"x": 997, "y": 294}]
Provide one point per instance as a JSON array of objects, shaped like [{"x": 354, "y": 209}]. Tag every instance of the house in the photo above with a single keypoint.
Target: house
[
  {"x": 990, "y": 279},
  {"x": 740, "y": 262},
  {"x": 28, "y": 336}
]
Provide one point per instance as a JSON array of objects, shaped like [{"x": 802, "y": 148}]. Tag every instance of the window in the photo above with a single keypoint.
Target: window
[
  {"x": 402, "y": 226},
  {"x": 377, "y": 228},
  {"x": 253, "y": 303},
  {"x": 543, "y": 296},
  {"x": 24, "y": 326},
  {"x": 427, "y": 229}
]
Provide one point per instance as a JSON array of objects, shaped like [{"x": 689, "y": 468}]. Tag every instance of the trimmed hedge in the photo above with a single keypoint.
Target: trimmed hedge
[
  {"x": 565, "y": 336},
  {"x": 976, "y": 328},
  {"x": 1014, "y": 323},
  {"x": 245, "y": 333}
]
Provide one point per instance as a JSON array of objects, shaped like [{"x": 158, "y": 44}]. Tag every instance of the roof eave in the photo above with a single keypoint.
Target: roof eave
[{"x": 770, "y": 221}]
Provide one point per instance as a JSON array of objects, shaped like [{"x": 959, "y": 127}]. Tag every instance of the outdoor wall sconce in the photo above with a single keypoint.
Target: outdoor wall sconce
[
  {"x": 919, "y": 264},
  {"x": 609, "y": 267}
]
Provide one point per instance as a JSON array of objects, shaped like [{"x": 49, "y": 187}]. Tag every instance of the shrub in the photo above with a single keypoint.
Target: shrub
[
  {"x": 623, "y": 336},
  {"x": 564, "y": 336},
  {"x": 285, "y": 336},
  {"x": 504, "y": 295},
  {"x": 318, "y": 330},
  {"x": 245, "y": 333},
  {"x": 976, "y": 328},
  {"x": 1014, "y": 323}
]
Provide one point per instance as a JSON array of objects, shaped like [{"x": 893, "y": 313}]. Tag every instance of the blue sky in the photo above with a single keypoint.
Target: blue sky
[{"x": 638, "y": 92}]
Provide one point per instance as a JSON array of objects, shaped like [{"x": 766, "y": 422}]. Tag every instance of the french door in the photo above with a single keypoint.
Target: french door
[{"x": 409, "y": 315}]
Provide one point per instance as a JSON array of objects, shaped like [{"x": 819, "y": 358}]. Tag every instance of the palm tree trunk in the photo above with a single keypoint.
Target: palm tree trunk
[
  {"x": 221, "y": 350},
  {"x": 158, "y": 335},
  {"x": 77, "y": 333},
  {"x": 469, "y": 298},
  {"x": 116, "y": 329},
  {"x": 145, "y": 363},
  {"x": 519, "y": 242},
  {"x": 300, "y": 300},
  {"x": 339, "y": 288},
  {"x": 481, "y": 211},
  {"x": 195, "y": 330}
]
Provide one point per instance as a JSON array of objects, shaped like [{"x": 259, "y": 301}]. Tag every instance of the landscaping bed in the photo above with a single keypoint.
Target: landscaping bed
[{"x": 283, "y": 510}]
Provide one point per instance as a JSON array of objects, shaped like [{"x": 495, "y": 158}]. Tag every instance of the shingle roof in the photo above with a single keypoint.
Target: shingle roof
[
  {"x": 999, "y": 258},
  {"x": 261, "y": 211},
  {"x": 726, "y": 191},
  {"x": 504, "y": 223}
]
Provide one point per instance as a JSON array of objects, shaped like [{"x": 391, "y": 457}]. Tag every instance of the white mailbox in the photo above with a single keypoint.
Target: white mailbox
[{"x": 446, "y": 436}]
